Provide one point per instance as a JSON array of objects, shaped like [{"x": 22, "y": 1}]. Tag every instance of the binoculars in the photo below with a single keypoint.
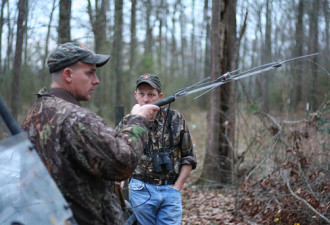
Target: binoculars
[{"x": 162, "y": 160}]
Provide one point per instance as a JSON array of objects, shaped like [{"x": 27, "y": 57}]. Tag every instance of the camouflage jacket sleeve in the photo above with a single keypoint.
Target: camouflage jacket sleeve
[
  {"x": 100, "y": 150},
  {"x": 188, "y": 156}
]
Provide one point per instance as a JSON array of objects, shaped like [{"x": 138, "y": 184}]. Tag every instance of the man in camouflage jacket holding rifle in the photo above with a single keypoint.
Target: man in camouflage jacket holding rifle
[{"x": 81, "y": 152}]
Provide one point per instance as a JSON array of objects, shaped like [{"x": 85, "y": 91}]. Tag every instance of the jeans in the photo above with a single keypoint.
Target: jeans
[{"x": 155, "y": 204}]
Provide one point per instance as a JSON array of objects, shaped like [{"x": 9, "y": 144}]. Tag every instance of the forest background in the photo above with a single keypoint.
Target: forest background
[{"x": 273, "y": 157}]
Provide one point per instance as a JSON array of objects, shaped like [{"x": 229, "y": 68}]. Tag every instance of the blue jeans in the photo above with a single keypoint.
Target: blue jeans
[{"x": 155, "y": 204}]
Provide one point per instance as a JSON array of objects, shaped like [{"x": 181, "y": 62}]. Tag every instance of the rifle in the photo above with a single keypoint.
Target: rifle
[{"x": 206, "y": 85}]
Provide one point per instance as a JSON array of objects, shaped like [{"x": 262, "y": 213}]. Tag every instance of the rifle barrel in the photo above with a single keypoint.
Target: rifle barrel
[{"x": 8, "y": 119}]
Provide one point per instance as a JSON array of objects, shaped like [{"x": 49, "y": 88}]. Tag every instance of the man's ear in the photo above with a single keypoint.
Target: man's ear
[
  {"x": 67, "y": 75},
  {"x": 135, "y": 95},
  {"x": 160, "y": 95}
]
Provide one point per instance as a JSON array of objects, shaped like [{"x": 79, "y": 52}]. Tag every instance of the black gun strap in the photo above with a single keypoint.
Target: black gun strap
[
  {"x": 147, "y": 147},
  {"x": 169, "y": 117}
]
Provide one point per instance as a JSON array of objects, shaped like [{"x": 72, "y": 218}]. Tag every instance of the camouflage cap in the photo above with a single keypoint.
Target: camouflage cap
[
  {"x": 151, "y": 79},
  {"x": 71, "y": 53}
]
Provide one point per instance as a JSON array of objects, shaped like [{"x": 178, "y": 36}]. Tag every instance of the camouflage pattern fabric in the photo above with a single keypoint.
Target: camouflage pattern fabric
[
  {"x": 182, "y": 154},
  {"x": 84, "y": 155},
  {"x": 70, "y": 53}
]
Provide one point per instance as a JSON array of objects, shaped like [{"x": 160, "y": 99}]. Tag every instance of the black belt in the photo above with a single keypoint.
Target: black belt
[{"x": 154, "y": 180}]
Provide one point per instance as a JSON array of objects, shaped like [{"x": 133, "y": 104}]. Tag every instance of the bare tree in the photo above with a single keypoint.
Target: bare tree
[
  {"x": 99, "y": 24},
  {"x": 117, "y": 51},
  {"x": 207, "y": 48},
  {"x": 132, "y": 52},
  {"x": 10, "y": 37},
  {"x": 64, "y": 28},
  {"x": 149, "y": 27},
  {"x": 207, "y": 61},
  {"x": 133, "y": 41},
  {"x": 258, "y": 8},
  {"x": 313, "y": 47},
  {"x": 22, "y": 7},
  {"x": 193, "y": 57},
  {"x": 173, "y": 59},
  {"x": 183, "y": 40},
  {"x": 166, "y": 54},
  {"x": 212, "y": 167},
  {"x": 298, "y": 50},
  {"x": 44, "y": 58},
  {"x": 3, "y": 3},
  {"x": 25, "y": 36},
  {"x": 267, "y": 55},
  {"x": 327, "y": 21},
  {"x": 98, "y": 21},
  {"x": 220, "y": 155},
  {"x": 160, "y": 16}
]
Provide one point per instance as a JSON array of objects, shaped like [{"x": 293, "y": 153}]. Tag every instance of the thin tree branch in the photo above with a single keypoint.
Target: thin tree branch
[
  {"x": 269, "y": 152},
  {"x": 304, "y": 201}
]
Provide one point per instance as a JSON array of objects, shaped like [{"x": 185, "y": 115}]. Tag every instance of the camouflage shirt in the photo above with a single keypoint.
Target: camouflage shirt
[
  {"x": 83, "y": 154},
  {"x": 181, "y": 151}
]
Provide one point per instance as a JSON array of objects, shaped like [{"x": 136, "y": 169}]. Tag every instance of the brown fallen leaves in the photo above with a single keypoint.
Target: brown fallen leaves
[{"x": 208, "y": 207}]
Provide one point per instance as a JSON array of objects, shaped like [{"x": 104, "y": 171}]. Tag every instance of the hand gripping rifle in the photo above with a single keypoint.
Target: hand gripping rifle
[{"x": 206, "y": 85}]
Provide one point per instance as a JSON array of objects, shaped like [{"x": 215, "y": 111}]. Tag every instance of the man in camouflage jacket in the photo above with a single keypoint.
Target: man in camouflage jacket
[
  {"x": 81, "y": 152},
  {"x": 167, "y": 160}
]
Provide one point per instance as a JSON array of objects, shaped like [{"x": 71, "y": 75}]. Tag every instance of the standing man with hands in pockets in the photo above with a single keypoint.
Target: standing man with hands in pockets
[
  {"x": 81, "y": 152},
  {"x": 167, "y": 160}
]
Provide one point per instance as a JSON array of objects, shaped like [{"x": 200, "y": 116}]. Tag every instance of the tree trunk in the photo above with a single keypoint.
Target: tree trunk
[
  {"x": 25, "y": 36},
  {"x": 160, "y": 35},
  {"x": 148, "y": 40},
  {"x": 327, "y": 21},
  {"x": 267, "y": 55},
  {"x": 313, "y": 47},
  {"x": 207, "y": 56},
  {"x": 219, "y": 158},
  {"x": 256, "y": 45},
  {"x": 98, "y": 21},
  {"x": 193, "y": 58},
  {"x": 3, "y": 3},
  {"x": 117, "y": 50},
  {"x": 10, "y": 37},
  {"x": 64, "y": 29},
  {"x": 99, "y": 24},
  {"x": 22, "y": 7},
  {"x": 298, "y": 52},
  {"x": 167, "y": 47},
  {"x": 211, "y": 161},
  {"x": 133, "y": 38},
  {"x": 132, "y": 55},
  {"x": 207, "y": 61},
  {"x": 183, "y": 42},
  {"x": 227, "y": 101},
  {"x": 173, "y": 53},
  {"x": 43, "y": 72}
]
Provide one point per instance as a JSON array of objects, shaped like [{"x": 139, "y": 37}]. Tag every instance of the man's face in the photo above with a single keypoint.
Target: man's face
[
  {"x": 145, "y": 94},
  {"x": 84, "y": 80}
]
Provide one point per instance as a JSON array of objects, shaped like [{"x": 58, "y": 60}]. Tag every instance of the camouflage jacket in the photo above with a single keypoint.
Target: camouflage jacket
[
  {"x": 83, "y": 154},
  {"x": 182, "y": 150}
]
